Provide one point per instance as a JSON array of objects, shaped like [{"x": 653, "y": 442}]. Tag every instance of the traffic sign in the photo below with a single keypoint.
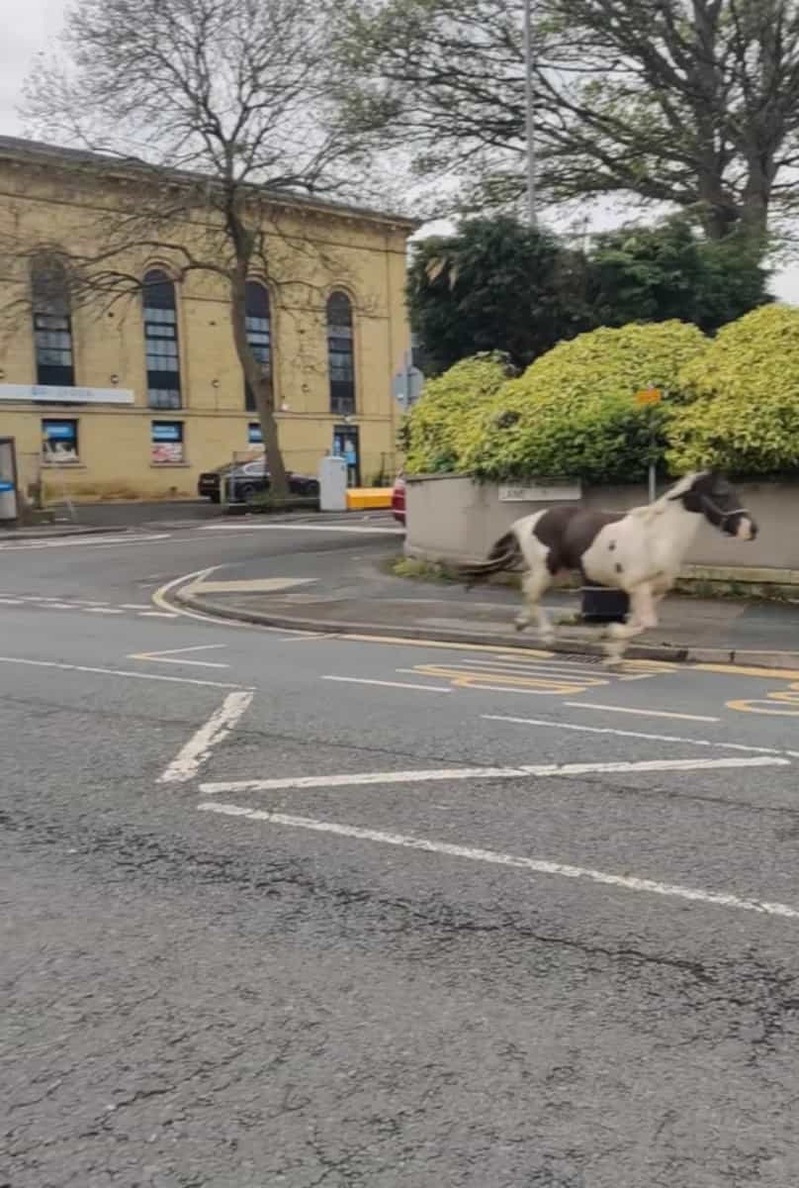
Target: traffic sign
[{"x": 649, "y": 396}]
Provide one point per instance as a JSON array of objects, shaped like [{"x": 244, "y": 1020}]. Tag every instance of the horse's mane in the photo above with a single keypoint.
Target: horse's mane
[{"x": 650, "y": 511}]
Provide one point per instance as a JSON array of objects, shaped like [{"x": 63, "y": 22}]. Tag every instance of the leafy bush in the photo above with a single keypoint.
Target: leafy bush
[
  {"x": 449, "y": 412},
  {"x": 573, "y": 412},
  {"x": 743, "y": 415}
]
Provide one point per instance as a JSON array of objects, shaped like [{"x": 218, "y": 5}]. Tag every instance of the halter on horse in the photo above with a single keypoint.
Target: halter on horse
[{"x": 640, "y": 552}]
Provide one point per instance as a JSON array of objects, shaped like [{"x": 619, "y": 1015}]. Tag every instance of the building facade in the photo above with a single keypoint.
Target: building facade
[{"x": 134, "y": 396}]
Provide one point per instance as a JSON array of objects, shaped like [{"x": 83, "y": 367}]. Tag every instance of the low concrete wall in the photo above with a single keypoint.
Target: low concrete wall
[{"x": 452, "y": 518}]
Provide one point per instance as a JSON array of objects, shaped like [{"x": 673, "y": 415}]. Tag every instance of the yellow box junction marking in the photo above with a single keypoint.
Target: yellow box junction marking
[
  {"x": 784, "y": 703},
  {"x": 514, "y": 673}
]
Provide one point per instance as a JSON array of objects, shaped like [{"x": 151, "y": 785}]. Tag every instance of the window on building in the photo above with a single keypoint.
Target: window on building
[
  {"x": 259, "y": 333},
  {"x": 60, "y": 442},
  {"x": 166, "y": 443},
  {"x": 161, "y": 340},
  {"x": 340, "y": 354},
  {"x": 255, "y": 434},
  {"x": 52, "y": 323}
]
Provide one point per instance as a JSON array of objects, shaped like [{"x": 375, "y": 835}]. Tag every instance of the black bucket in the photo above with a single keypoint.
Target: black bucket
[{"x": 604, "y": 604}]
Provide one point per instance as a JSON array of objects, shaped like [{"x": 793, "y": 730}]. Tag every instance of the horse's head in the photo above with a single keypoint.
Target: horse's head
[{"x": 709, "y": 494}]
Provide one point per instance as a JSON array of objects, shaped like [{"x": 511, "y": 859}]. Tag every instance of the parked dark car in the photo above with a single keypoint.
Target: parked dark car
[{"x": 245, "y": 480}]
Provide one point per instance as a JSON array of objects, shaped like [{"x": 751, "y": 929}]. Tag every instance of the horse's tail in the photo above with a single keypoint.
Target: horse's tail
[{"x": 506, "y": 554}]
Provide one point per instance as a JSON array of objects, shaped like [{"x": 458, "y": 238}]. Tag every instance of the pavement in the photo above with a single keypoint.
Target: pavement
[
  {"x": 286, "y": 908},
  {"x": 354, "y": 593}
]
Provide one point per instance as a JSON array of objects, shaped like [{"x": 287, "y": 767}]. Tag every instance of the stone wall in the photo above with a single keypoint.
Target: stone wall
[{"x": 451, "y": 518}]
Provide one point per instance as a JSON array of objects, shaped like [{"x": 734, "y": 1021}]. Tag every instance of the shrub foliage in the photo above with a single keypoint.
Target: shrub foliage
[
  {"x": 572, "y": 413},
  {"x": 743, "y": 393}
]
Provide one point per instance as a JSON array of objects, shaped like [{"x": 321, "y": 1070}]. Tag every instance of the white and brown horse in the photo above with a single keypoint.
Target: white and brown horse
[{"x": 640, "y": 551}]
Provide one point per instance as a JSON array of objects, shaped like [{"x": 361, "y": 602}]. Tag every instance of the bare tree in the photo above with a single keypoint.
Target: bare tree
[
  {"x": 218, "y": 113},
  {"x": 693, "y": 103}
]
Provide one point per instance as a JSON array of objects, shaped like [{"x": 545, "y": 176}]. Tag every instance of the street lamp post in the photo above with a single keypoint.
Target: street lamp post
[{"x": 528, "y": 111}]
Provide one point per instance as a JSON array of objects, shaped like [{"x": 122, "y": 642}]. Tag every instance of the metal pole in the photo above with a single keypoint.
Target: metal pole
[{"x": 528, "y": 112}]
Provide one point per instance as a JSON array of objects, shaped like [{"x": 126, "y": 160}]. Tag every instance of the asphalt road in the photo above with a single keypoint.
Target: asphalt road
[{"x": 287, "y": 910}]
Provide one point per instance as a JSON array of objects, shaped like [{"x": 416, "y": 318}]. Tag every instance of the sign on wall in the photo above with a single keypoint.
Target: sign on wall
[
  {"x": 551, "y": 493},
  {"x": 50, "y": 394}
]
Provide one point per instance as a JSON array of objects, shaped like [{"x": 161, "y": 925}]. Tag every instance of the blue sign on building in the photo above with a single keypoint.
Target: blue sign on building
[
  {"x": 167, "y": 431},
  {"x": 254, "y": 434}
]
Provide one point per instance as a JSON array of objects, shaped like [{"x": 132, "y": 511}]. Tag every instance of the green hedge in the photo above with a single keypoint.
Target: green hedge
[
  {"x": 743, "y": 415},
  {"x": 450, "y": 413},
  {"x": 572, "y": 413}
]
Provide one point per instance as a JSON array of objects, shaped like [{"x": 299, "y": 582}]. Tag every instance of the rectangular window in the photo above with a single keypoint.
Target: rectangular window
[
  {"x": 254, "y": 434},
  {"x": 163, "y": 358},
  {"x": 166, "y": 443},
  {"x": 59, "y": 442},
  {"x": 53, "y": 338}
]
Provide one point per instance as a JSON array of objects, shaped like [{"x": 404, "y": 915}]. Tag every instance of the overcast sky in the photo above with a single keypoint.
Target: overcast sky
[{"x": 27, "y": 27}]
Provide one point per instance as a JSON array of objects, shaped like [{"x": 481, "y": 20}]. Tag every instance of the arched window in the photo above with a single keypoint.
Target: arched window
[
  {"x": 340, "y": 354},
  {"x": 52, "y": 323},
  {"x": 161, "y": 340},
  {"x": 259, "y": 333}
]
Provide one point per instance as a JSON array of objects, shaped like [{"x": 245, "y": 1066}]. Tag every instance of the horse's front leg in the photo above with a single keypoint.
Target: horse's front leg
[{"x": 643, "y": 617}]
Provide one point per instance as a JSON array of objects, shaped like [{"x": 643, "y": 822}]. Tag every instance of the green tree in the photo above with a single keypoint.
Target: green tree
[
  {"x": 216, "y": 110},
  {"x": 642, "y": 274},
  {"x": 495, "y": 285},
  {"x": 687, "y": 102}
]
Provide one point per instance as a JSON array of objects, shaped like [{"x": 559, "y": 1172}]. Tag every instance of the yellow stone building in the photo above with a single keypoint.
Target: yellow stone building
[{"x": 137, "y": 397}]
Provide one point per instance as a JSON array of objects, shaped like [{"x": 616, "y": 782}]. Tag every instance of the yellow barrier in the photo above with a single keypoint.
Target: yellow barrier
[{"x": 363, "y": 498}]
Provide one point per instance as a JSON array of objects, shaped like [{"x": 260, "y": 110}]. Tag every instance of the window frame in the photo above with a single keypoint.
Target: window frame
[
  {"x": 50, "y": 458},
  {"x": 268, "y": 347},
  {"x": 164, "y": 384},
  {"x": 179, "y": 440},
  {"x": 342, "y": 391},
  {"x": 48, "y": 307}
]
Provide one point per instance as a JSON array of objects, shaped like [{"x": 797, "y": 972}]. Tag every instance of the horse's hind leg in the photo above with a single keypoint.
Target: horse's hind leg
[{"x": 535, "y": 584}]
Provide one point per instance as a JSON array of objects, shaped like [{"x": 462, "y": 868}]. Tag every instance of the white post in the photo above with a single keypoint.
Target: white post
[{"x": 528, "y": 112}]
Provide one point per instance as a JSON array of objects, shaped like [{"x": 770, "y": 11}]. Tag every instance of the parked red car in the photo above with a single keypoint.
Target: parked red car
[{"x": 398, "y": 499}]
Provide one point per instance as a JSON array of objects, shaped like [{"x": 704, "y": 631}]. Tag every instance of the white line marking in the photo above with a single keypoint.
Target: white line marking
[
  {"x": 360, "y": 778},
  {"x": 119, "y": 672},
  {"x": 12, "y": 601},
  {"x": 670, "y": 738},
  {"x": 387, "y": 684},
  {"x": 534, "y": 865},
  {"x": 198, "y": 749},
  {"x": 80, "y": 539},
  {"x": 170, "y": 611},
  {"x": 102, "y": 610},
  {"x": 143, "y": 606},
  {"x": 352, "y": 529},
  {"x": 169, "y": 656},
  {"x": 645, "y": 713}
]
